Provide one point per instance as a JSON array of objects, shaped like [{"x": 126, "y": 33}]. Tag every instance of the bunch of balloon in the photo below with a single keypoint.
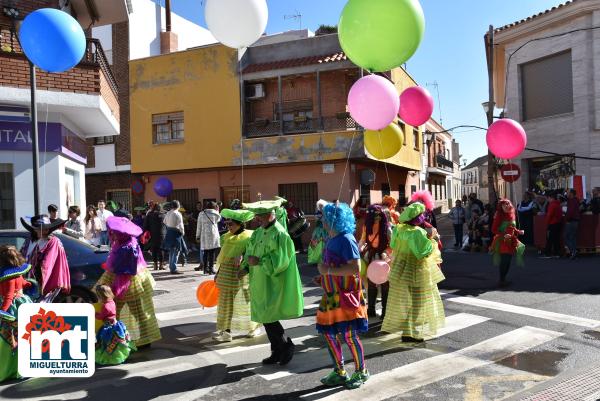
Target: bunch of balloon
[
  {"x": 378, "y": 36},
  {"x": 53, "y": 41}
]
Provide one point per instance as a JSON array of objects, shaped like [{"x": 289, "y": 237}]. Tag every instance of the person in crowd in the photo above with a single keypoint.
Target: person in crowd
[
  {"x": 103, "y": 214},
  {"x": 194, "y": 222},
  {"x": 595, "y": 202},
  {"x": 506, "y": 242},
  {"x": 342, "y": 315},
  {"x": 472, "y": 205},
  {"x": 47, "y": 256},
  {"x": 572, "y": 218},
  {"x": 154, "y": 225},
  {"x": 275, "y": 286},
  {"x": 526, "y": 210},
  {"x": 113, "y": 343},
  {"x": 122, "y": 212},
  {"x": 473, "y": 228},
  {"x": 554, "y": 222},
  {"x": 540, "y": 204},
  {"x": 486, "y": 222},
  {"x": 360, "y": 212},
  {"x": 319, "y": 236},
  {"x": 235, "y": 204},
  {"x": 374, "y": 245},
  {"x": 130, "y": 281},
  {"x": 138, "y": 220},
  {"x": 426, "y": 198},
  {"x": 389, "y": 205},
  {"x": 207, "y": 232},
  {"x": 72, "y": 227},
  {"x": 457, "y": 216},
  {"x": 174, "y": 235},
  {"x": 14, "y": 292},
  {"x": 297, "y": 225},
  {"x": 93, "y": 227},
  {"x": 53, "y": 212},
  {"x": 233, "y": 310},
  {"x": 415, "y": 307}
]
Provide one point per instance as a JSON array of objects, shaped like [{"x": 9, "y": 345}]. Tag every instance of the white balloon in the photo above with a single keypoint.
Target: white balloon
[{"x": 236, "y": 23}]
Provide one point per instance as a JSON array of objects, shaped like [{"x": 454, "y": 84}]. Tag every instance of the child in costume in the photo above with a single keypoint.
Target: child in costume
[
  {"x": 233, "y": 311},
  {"x": 389, "y": 204},
  {"x": 113, "y": 344},
  {"x": 130, "y": 281},
  {"x": 12, "y": 285},
  {"x": 275, "y": 286},
  {"x": 506, "y": 239},
  {"x": 342, "y": 314},
  {"x": 319, "y": 236},
  {"x": 414, "y": 306},
  {"x": 47, "y": 257},
  {"x": 374, "y": 245}
]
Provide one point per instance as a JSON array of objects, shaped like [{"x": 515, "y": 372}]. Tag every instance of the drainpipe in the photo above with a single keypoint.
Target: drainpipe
[{"x": 168, "y": 14}]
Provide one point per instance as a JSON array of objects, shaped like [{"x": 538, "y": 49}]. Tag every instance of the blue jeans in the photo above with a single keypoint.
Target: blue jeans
[
  {"x": 458, "y": 234},
  {"x": 201, "y": 255},
  {"x": 104, "y": 238},
  {"x": 173, "y": 256},
  {"x": 571, "y": 236}
]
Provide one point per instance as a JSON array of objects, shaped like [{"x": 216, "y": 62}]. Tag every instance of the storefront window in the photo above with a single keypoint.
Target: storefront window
[{"x": 7, "y": 197}]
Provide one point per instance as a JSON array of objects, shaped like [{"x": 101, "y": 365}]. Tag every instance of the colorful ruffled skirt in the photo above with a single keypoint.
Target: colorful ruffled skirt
[
  {"x": 136, "y": 308},
  {"x": 343, "y": 306},
  {"x": 8, "y": 341},
  {"x": 414, "y": 304},
  {"x": 113, "y": 344}
]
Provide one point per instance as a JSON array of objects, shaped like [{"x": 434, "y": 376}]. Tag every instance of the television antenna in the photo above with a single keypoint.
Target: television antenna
[
  {"x": 295, "y": 17},
  {"x": 437, "y": 89}
]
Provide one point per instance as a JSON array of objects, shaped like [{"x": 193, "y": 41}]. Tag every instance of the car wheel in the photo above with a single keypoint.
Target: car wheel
[{"x": 77, "y": 296}]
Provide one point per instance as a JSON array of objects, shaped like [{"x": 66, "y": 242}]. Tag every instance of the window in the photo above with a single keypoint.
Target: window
[
  {"x": 403, "y": 129},
  {"x": 7, "y": 197},
  {"x": 547, "y": 86},
  {"x": 167, "y": 128},
  {"x": 186, "y": 197},
  {"x": 385, "y": 189},
  {"x": 120, "y": 195},
  {"x": 365, "y": 194},
  {"x": 304, "y": 196},
  {"x": 416, "y": 139},
  {"x": 104, "y": 140}
]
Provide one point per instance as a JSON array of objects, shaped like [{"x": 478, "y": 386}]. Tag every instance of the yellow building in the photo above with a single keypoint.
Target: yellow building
[{"x": 297, "y": 138}]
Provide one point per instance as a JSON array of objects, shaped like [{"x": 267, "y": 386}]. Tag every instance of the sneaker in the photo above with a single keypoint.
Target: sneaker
[
  {"x": 288, "y": 352},
  {"x": 224, "y": 336},
  {"x": 253, "y": 333},
  {"x": 357, "y": 379},
  {"x": 335, "y": 378}
]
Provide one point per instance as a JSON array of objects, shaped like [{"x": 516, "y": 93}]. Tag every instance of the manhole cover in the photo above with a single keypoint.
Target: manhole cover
[{"x": 160, "y": 292}]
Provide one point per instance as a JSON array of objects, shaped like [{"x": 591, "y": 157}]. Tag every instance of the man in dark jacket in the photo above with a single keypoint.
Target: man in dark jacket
[{"x": 573, "y": 215}]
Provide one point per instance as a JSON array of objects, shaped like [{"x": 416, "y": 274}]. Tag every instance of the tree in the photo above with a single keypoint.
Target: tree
[{"x": 326, "y": 29}]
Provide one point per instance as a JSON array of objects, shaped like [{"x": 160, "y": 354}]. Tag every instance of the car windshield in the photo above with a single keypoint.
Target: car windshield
[{"x": 73, "y": 245}]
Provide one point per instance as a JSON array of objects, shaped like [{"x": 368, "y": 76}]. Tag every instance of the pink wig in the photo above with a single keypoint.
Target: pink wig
[{"x": 425, "y": 198}]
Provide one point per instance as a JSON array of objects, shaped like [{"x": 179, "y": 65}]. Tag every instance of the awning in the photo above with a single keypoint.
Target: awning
[{"x": 99, "y": 12}]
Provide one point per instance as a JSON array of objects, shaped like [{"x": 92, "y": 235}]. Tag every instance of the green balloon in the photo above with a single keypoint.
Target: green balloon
[{"x": 379, "y": 35}]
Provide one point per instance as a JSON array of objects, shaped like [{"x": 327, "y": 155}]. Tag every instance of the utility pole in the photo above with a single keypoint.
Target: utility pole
[{"x": 489, "y": 39}]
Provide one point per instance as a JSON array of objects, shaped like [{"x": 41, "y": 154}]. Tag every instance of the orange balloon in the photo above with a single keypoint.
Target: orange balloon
[{"x": 208, "y": 294}]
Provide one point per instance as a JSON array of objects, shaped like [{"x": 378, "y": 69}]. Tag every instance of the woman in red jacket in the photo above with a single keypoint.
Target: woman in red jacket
[
  {"x": 554, "y": 222},
  {"x": 506, "y": 239}
]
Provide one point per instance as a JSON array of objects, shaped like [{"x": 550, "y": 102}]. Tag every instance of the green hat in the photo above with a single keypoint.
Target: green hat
[
  {"x": 243, "y": 216},
  {"x": 264, "y": 207},
  {"x": 412, "y": 212}
]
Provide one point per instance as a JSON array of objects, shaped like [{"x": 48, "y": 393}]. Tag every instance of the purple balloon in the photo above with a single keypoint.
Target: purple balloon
[
  {"x": 506, "y": 138},
  {"x": 416, "y": 106},
  {"x": 373, "y": 102},
  {"x": 163, "y": 187}
]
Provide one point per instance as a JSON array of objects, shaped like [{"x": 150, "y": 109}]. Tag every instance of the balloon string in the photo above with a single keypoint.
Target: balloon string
[
  {"x": 346, "y": 166},
  {"x": 384, "y": 163},
  {"x": 242, "y": 100}
]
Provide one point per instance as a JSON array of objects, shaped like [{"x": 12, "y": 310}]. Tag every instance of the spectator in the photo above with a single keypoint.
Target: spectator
[
  {"x": 474, "y": 232},
  {"x": 457, "y": 216},
  {"x": 174, "y": 235},
  {"x": 73, "y": 227},
  {"x": 199, "y": 209},
  {"x": 573, "y": 215},
  {"x": 540, "y": 205},
  {"x": 53, "y": 212},
  {"x": 297, "y": 225},
  {"x": 154, "y": 224},
  {"x": 554, "y": 222},
  {"x": 207, "y": 232},
  {"x": 103, "y": 214},
  {"x": 595, "y": 202},
  {"x": 93, "y": 227},
  {"x": 525, "y": 211},
  {"x": 473, "y": 205},
  {"x": 486, "y": 222},
  {"x": 122, "y": 212}
]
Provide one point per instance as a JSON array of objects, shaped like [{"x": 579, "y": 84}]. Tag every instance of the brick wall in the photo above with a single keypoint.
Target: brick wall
[
  {"x": 121, "y": 71},
  {"x": 109, "y": 96},
  {"x": 98, "y": 184},
  {"x": 27, "y": 6}
]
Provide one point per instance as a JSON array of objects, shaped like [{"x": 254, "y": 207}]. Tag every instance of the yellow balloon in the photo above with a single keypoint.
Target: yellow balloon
[{"x": 385, "y": 143}]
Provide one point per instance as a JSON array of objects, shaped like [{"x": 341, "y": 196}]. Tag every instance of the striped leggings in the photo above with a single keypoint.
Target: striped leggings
[{"x": 334, "y": 345}]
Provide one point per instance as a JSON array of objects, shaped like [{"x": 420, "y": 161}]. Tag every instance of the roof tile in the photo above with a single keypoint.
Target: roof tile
[
  {"x": 511, "y": 25},
  {"x": 296, "y": 62}
]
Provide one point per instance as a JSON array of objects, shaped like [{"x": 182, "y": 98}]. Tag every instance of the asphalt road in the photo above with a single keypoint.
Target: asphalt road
[{"x": 498, "y": 344}]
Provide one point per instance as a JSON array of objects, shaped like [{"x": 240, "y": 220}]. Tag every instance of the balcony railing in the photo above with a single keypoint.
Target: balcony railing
[{"x": 300, "y": 126}]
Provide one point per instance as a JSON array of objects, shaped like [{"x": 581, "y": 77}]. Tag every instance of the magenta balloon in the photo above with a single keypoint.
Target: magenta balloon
[
  {"x": 416, "y": 106},
  {"x": 373, "y": 102},
  {"x": 378, "y": 272},
  {"x": 506, "y": 138}
]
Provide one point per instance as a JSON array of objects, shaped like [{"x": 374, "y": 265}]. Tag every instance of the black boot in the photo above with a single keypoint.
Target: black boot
[
  {"x": 385, "y": 289},
  {"x": 371, "y": 301},
  {"x": 287, "y": 353},
  {"x": 273, "y": 359}
]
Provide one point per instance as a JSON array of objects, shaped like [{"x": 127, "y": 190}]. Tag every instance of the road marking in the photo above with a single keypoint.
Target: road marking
[
  {"x": 434, "y": 369},
  {"x": 249, "y": 348},
  {"x": 454, "y": 323},
  {"x": 195, "y": 312},
  {"x": 474, "y": 385},
  {"x": 521, "y": 310}
]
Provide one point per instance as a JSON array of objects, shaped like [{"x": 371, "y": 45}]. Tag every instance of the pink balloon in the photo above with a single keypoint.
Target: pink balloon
[
  {"x": 378, "y": 272},
  {"x": 506, "y": 138},
  {"x": 373, "y": 102},
  {"x": 416, "y": 106}
]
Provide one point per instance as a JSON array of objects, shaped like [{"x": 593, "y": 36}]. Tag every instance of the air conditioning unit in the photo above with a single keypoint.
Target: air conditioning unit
[{"x": 255, "y": 91}]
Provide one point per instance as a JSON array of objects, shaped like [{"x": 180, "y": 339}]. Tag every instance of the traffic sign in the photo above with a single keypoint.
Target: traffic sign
[{"x": 510, "y": 172}]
